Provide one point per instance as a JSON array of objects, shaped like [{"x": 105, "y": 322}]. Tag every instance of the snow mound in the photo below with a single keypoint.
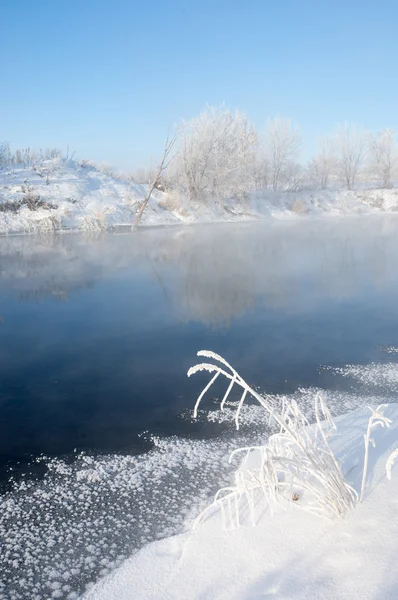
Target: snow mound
[
  {"x": 64, "y": 194},
  {"x": 292, "y": 554}
]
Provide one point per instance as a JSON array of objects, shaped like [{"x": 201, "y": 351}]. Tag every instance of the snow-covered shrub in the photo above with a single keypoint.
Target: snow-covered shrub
[
  {"x": 87, "y": 164},
  {"x": 296, "y": 465},
  {"x": 31, "y": 157},
  {"x": 299, "y": 207},
  {"x": 174, "y": 201},
  {"x": 29, "y": 200},
  {"x": 106, "y": 169},
  {"x": 142, "y": 176}
]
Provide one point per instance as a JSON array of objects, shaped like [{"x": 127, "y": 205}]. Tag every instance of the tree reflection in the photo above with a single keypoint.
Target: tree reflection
[{"x": 212, "y": 274}]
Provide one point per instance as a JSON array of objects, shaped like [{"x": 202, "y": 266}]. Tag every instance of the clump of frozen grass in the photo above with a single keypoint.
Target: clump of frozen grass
[
  {"x": 296, "y": 465},
  {"x": 94, "y": 222},
  {"x": 376, "y": 419}
]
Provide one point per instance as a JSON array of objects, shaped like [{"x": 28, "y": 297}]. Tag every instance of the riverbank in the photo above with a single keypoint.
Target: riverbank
[
  {"x": 68, "y": 195},
  {"x": 289, "y": 555}
]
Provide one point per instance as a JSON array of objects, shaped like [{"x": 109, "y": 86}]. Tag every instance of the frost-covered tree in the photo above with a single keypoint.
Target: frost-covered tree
[
  {"x": 4, "y": 153},
  {"x": 142, "y": 175},
  {"x": 323, "y": 164},
  {"x": 139, "y": 175},
  {"x": 282, "y": 148},
  {"x": 350, "y": 144},
  {"x": 383, "y": 156},
  {"x": 53, "y": 153},
  {"x": 18, "y": 157},
  {"x": 217, "y": 155},
  {"x": 260, "y": 171},
  {"x": 35, "y": 157}
]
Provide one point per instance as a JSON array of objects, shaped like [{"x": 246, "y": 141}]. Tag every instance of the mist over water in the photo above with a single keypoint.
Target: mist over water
[
  {"x": 98, "y": 332},
  {"x": 96, "y": 336}
]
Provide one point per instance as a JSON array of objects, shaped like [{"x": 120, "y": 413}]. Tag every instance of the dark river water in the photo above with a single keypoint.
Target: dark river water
[
  {"x": 99, "y": 454},
  {"x": 97, "y": 333}
]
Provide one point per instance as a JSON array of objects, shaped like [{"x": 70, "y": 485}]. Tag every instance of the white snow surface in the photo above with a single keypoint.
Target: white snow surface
[
  {"x": 289, "y": 555},
  {"x": 79, "y": 196}
]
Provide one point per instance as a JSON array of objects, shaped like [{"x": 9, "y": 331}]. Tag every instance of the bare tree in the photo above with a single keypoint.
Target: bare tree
[
  {"x": 282, "y": 147},
  {"x": 350, "y": 144},
  {"x": 164, "y": 163},
  {"x": 383, "y": 156},
  {"x": 323, "y": 165}
]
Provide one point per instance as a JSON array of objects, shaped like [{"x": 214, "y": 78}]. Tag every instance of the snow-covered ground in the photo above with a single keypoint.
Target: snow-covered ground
[
  {"x": 289, "y": 555},
  {"x": 65, "y": 194},
  {"x": 62, "y": 194}
]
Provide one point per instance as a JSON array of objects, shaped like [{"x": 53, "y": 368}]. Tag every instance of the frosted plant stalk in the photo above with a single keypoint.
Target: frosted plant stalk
[
  {"x": 377, "y": 418},
  {"x": 390, "y": 462},
  {"x": 298, "y": 459}
]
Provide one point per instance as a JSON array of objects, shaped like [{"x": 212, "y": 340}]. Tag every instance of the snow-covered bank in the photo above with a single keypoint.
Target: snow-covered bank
[
  {"x": 77, "y": 524},
  {"x": 289, "y": 555},
  {"x": 62, "y": 194},
  {"x": 66, "y": 194},
  {"x": 95, "y": 511}
]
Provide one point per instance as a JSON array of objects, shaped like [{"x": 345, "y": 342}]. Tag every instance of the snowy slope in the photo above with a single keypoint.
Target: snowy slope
[
  {"x": 289, "y": 555},
  {"x": 62, "y": 194},
  {"x": 73, "y": 196}
]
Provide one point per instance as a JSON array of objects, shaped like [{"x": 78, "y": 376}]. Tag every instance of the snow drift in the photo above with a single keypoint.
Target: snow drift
[{"x": 288, "y": 555}]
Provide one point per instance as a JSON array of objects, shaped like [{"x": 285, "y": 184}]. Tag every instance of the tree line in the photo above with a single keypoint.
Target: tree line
[
  {"x": 220, "y": 154},
  {"x": 26, "y": 156}
]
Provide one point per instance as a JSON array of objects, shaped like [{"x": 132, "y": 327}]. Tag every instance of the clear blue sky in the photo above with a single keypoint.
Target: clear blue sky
[{"x": 108, "y": 78}]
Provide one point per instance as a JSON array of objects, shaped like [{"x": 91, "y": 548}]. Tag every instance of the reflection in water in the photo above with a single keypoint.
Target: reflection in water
[
  {"x": 222, "y": 271},
  {"x": 96, "y": 333}
]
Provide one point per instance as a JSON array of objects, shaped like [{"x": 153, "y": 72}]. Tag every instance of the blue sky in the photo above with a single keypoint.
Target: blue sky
[{"x": 108, "y": 78}]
